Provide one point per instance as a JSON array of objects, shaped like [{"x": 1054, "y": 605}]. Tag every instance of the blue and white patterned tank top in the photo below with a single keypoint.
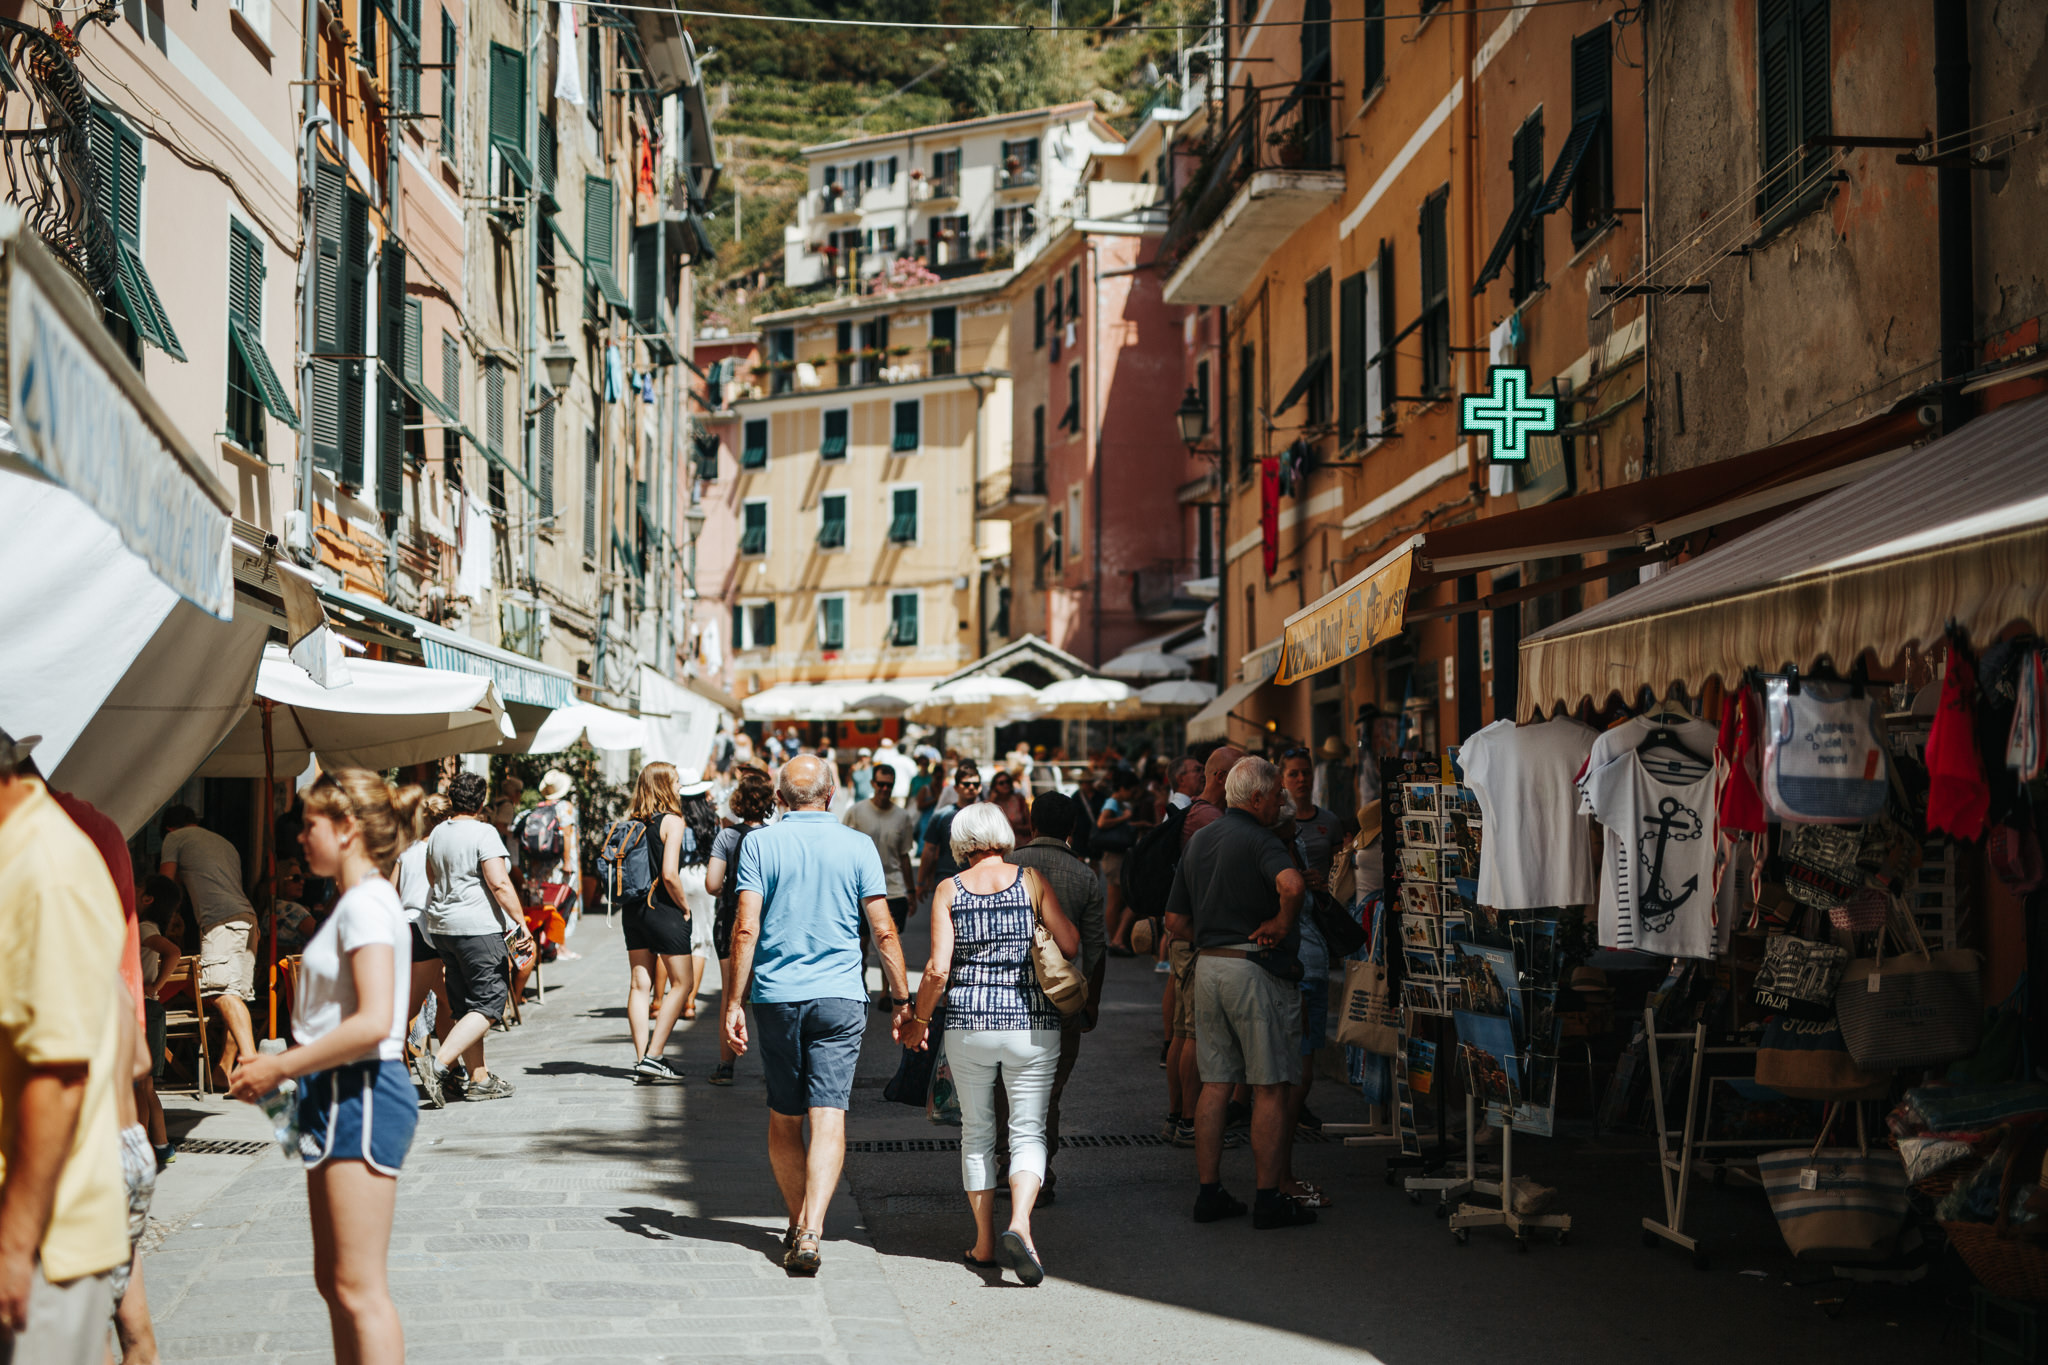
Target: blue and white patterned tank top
[{"x": 993, "y": 985}]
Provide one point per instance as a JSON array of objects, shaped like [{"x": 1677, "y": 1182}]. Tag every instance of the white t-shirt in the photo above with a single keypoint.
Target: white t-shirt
[
  {"x": 1538, "y": 847},
  {"x": 415, "y": 889},
  {"x": 145, "y": 931},
  {"x": 1179, "y": 800},
  {"x": 459, "y": 902},
  {"x": 211, "y": 869},
  {"x": 1616, "y": 930},
  {"x": 367, "y": 913},
  {"x": 894, "y": 831},
  {"x": 1661, "y": 858}
]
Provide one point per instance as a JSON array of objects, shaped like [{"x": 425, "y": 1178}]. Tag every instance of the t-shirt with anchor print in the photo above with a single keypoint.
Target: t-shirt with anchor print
[
  {"x": 1661, "y": 858},
  {"x": 1617, "y": 931}
]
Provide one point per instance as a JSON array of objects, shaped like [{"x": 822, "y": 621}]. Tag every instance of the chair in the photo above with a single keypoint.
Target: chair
[
  {"x": 288, "y": 979},
  {"x": 184, "y": 1015}
]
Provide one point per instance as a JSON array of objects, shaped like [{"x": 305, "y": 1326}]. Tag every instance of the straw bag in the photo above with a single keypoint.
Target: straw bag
[
  {"x": 1919, "y": 1009},
  {"x": 1366, "y": 1018},
  {"x": 1836, "y": 1203},
  {"x": 1060, "y": 979},
  {"x": 1807, "y": 1060}
]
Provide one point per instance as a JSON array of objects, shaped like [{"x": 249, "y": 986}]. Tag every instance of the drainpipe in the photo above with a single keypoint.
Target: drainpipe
[
  {"x": 1467, "y": 360},
  {"x": 1095, "y": 423},
  {"x": 309, "y": 249},
  {"x": 1222, "y": 440},
  {"x": 529, "y": 438},
  {"x": 1957, "y": 270}
]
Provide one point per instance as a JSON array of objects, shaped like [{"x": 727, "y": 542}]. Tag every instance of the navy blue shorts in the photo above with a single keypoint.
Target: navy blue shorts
[
  {"x": 808, "y": 1052},
  {"x": 362, "y": 1112}
]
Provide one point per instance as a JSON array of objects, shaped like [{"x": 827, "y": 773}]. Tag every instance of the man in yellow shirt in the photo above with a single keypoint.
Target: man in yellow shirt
[{"x": 63, "y": 1204}]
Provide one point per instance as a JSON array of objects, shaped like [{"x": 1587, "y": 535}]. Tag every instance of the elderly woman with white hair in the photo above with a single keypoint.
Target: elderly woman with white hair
[{"x": 999, "y": 1025}]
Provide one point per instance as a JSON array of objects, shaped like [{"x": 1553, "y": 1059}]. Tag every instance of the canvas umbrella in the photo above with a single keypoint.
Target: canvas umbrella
[
  {"x": 1178, "y": 694},
  {"x": 977, "y": 701},
  {"x": 1148, "y": 665},
  {"x": 1089, "y": 699}
]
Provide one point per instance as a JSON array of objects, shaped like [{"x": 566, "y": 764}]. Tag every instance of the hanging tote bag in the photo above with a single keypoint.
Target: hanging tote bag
[
  {"x": 1060, "y": 979},
  {"x": 1824, "y": 757},
  {"x": 1807, "y": 1060},
  {"x": 1799, "y": 977},
  {"x": 1366, "y": 1018},
  {"x": 1917, "y": 1009},
  {"x": 1836, "y": 1203}
]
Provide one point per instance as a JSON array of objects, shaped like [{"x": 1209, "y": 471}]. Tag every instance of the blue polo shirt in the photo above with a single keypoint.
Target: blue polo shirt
[{"x": 812, "y": 873}]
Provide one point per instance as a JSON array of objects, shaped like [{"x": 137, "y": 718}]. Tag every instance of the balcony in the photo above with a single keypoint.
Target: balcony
[
  {"x": 1159, "y": 591},
  {"x": 834, "y": 200},
  {"x": 942, "y": 187},
  {"x": 1018, "y": 178},
  {"x": 51, "y": 174},
  {"x": 1013, "y": 494},
  {"x": 1272, "y": 167}
]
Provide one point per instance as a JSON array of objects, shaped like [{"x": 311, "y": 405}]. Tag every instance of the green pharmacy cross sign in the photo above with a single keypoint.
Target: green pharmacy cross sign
[{"x": 1508, "y": 415}]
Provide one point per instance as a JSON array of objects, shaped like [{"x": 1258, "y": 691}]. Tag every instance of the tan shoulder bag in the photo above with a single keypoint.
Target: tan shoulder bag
[{"x": 1060, "y": 979}]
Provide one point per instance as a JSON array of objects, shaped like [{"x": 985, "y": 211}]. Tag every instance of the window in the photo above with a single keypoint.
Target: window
[
  {"x": 1058, "y": 549},
  {"x": 1059, "y": 311},
  {"x": 1024, "y": 151},
  {"x": 903, "y": 618},
  {"x": 1247, "y": 410},
  {"x": 1071, "y": 418},
  {"x": 753, "y": 625},
  {"x": 1314, "y": 381},
  {"x": 1037, "y": 450},
  {"x": 874, "y": 349},
  {"x": 833, "y": 444},
  {"x": 1793, "y": 104},
  {"x": 593, "y": 67},
  {"x": 369, "y": 44},
  {"x": 1313, "y": 103},
  {"x": 405, "y": 57},
  {"x": 508, "y": 113},
  {"x": 451, "y": 374},
  {"x": 1583, "y": 174},
  {"x": 885, "y": 238},
  {"x": 844, "y": 357},
  {"x": 952, "y": 240},
  {"x": 341, "y": 267},
  {"x": 832, "y": 521},
  {"x": 591, "y": 479},
  {"x": 449, "y": 66},
  {"x": 1074, "y": 292},
  {"x": 600, "y": 241},
  {"x": 494, "y": 430},
  {"x": 903, "y": 516},
  {"x": 1039, "y": 551},
  {"x": 1015, "y": 226},
  {"x": 907, "y": 425},
  {"x": 754, "y": 444},
  {"x": 706, "y": 445},
  {"x": 544, "y": 430},
  {"x": 1436, "y": 294},
  {"x": 1522, "y": 234},
  {"x": 253, "y": 386},
  {"x": 1038, "y": 317},
  {"x": 1205, "y": 539},
  {"x": 754, "y": 527},
  {"x": 1074, "y": 501},
  {"x": 647, "y": 282},
  {"x": 946, "y": 174},
  {"x": 945, "y": 340},
  {"x": 1375, "y": 45},
  {"x": 782, "y": 360},
  {"x": 1381, "y": 332},
  {"x": 391, "y": 403},
  {"x": 138, "y": 314},
  {"x": 831, "y": 623},
  {"x": 1202, "y": 384}
]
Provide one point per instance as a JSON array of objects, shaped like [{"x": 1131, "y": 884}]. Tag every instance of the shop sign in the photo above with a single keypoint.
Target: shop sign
[
  {"x": 1508, "y": 414},
  {"x": 1363, "y": 613},
  {"x": 77, "y": 427}
]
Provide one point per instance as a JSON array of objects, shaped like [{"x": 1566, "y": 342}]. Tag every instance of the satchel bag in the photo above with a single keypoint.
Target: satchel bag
[
  {"x": 1824, "y": 757},
  {"x": 1807, "y": 1060},
  {"x": 1799, "y": 977},
  {"x": 1836, "y": 1203},
  {"x": 1366, "y": 1020},
  {"x": 1919, "y": 1009},
  {"x": 1060, "y": 979}
]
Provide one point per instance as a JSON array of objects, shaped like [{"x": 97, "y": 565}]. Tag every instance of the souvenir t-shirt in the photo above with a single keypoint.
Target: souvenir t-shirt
[
  {"x": 1537, "y": 851},
  {"x": 367, "y": 913},
  {"x": 1608, "y": 745},
  {"x": 1662, "y": 855}
]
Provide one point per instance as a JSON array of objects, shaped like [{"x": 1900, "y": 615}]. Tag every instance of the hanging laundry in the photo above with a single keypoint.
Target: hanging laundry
[
  {"x": 2026, "y": 748},
  {"x": 568, "y": 75},
  {"x": 614, "y": 375},
  {"x": 1958, "y": 798},
  {"x": 1269, "y": 512}
]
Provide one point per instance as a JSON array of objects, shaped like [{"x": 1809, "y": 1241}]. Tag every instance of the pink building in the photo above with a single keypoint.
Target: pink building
[{"x": 724, "y": 362}]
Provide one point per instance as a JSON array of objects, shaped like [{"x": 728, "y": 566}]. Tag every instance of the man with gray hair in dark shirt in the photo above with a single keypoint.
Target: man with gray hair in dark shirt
[{"x": 1237, "y": 894}]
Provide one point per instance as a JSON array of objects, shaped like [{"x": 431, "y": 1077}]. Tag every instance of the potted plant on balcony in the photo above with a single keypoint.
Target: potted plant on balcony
[
  {"x": 784, "y": 366},
  {"x": 1290, "y": 143},
  {"x": 761, "y": 371},
  {"x": 899, "y": 350},
  {"x": 845, "y": 357},
  {"x": 939, "y": 344}
]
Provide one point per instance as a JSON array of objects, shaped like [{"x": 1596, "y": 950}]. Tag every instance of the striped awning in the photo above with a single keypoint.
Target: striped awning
[{"x": 519, "y": 679}]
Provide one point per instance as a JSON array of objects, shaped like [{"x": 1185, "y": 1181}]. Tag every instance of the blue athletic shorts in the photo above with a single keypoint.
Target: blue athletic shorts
[
  {"x": 363, "y": 1112},
  {"x": 808, "y": 1052}
]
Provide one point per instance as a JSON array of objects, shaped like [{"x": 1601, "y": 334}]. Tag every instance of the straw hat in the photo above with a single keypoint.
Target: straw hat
[
  {"x": 555, "y": 785},
  {"x": 691, "y": 782},
  {"x": 1334, "y": 747},
  {"x": 1368, "y": 823}
]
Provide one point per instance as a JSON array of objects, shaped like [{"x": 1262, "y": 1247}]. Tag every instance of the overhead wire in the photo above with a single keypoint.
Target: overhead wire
[{"x": 1438, "y": 12}]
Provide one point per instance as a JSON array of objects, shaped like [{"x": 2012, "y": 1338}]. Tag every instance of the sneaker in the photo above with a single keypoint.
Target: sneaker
[
  {"x": 490, "y": 1088},
  {"x": 1281, "y": 1213},
  {"x": 1183, "y": 1133},
  {"x": 1160, "y": 968},
  {"x": 166, "y": 1154},
  {"x": 455, "y": 1076},
  {"x": 1309, "y": 1120},
  {"x": 428, "y": 1072},
  {"x": 1171, "y": 1126},
  {"x": 654, "y": 1069},
  {"x": 721, "y": 1074},
  {"x": 1211, "y": 1208}
]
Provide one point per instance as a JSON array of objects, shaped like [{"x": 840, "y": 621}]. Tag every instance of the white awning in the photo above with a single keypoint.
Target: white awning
[
  {"x": 832, "y": 700},
  {"x": 605, "y": 728},
  {"x": 385, "y": 716},
  {"x": 1213, "y": 720}
]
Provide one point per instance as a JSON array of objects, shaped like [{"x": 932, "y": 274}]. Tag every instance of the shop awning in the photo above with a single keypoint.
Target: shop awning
[
  {"x": 520, "y": 680},
  {"x": 831, "y": 700},
  {"x": 1690, "y": 509},
  {"x": 385, "y": 716},
  {"x": 1958, "y": 532},
  {"x": 602, "y": 726},
  {"x": 694, "y": 711},
  {"x": 1212, "y": 722}
]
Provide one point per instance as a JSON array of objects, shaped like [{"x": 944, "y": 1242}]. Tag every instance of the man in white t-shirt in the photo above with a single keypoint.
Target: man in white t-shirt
[
  {"x": 894, "y": 830},
  {"x": 210, "y": 870}
]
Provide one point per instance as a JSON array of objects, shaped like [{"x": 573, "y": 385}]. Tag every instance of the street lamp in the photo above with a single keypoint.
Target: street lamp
[
  {"x": 1193, "y": 417},
  {"x": 694, "y": 519},
  {"x": 560, "y": 363}
]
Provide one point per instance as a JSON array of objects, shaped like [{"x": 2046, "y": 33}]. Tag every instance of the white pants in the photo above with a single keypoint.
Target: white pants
[
  {"x": 703, "y": 908},
  {"x": 1025, "y": 1060}
]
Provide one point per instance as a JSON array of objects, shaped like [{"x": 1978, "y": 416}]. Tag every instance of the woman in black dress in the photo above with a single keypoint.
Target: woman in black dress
[{"x": 658, "y": 927}]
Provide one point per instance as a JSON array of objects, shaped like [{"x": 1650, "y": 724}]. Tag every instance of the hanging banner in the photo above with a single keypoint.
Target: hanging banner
[{"x": 1362, "y": 613}]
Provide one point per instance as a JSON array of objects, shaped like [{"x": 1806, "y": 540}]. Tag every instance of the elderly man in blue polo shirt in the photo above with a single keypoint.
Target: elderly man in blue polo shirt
[{"x": 804, "y": 884}]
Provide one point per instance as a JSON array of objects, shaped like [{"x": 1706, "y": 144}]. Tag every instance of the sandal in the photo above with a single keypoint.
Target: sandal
[
  {"x": 1311, "y": 1197},
  {"x": 798, "y": 1261},
  {"x": 992, "y": 1263},
  {"x": 1022, "y": 1259}
]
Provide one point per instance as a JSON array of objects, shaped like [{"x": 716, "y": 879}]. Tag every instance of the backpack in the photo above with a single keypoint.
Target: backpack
[
  {"x": 729, "y": 890},
  {"x": 625, "y": 874},
  {"x": 540, "y": 832},
  {"x": 1149, "y": 866}
]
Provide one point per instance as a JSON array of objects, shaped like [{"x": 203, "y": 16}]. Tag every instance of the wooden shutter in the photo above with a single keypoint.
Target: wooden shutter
[
  {"x": 647, "y": 276},
  {"x": 494, "y": 407},
  {"x": 1351, "y": 355},
  {"x": 1775, "y": 120},
  {"x": 546, "y": 434},
  {"x": 1815, "y": 107},
  {"x": 390, "y": 401},
  {"x": 508, "y": 96},
  {"x": 355, "y": 306},
  {"x": 451, "y": 374},
  {"x": 590, "y": 482},
  {"x": 330, "y": 213},
  {"x": 448, "y": 69}
]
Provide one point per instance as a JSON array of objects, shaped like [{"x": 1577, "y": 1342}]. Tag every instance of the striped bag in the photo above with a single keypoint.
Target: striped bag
[{"x": 1836, "y": 1203}]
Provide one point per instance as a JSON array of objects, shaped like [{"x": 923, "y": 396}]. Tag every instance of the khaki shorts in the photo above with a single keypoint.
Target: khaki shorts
[
  {"x": 1180, "y": 956},
  {"x": 227, "y": 958},
  {"x": 1247, "y": 1024}
]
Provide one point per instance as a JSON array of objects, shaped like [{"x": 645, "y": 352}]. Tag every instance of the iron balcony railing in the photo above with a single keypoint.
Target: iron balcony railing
[
  {"x": 1022, "y": 178},
  {"x": 50, "y": 173},
  {"x": 1027, "y": 480},
  {"x": 1286, "y": 128}
]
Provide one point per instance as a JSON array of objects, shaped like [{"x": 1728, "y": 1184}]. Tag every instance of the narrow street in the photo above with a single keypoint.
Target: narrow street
[{"x": 588, "y": 1218}]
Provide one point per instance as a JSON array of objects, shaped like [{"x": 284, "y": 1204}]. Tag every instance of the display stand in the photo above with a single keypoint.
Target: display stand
[
  {"x": 1471, "y": 1216},
  {"x": 1676, "y": 1168}
]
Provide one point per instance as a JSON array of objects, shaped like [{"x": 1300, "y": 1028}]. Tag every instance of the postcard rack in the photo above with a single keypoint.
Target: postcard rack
[{"x": 1471, "y": 1216}]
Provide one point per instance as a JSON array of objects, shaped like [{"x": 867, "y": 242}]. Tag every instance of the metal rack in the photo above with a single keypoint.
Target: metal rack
[{"x": 1471, "y": 1216}]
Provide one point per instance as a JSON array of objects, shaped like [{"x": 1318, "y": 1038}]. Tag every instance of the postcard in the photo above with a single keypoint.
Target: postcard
[
  {"x": 1486, "y": 1046},
  {"x": 1420, "y": 831},
  {"x": 1420, "y": 898},
  {"x": 1420, "y": 931},
  {"x": 1418, "y": 798},
  {"x": 1419, "y": 865}
]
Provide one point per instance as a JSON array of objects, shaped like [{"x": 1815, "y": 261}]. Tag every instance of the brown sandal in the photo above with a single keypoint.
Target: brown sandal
[{"x": 798, "y": 1261}]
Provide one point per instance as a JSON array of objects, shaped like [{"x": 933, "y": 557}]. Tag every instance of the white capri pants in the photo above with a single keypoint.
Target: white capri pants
[
  {"x": 703, "y": 908},
  {"x": 1025, "y": 1059}
]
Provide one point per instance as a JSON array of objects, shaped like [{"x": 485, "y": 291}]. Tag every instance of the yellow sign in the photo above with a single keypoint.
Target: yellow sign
[{"x": 1351, "y": 620}]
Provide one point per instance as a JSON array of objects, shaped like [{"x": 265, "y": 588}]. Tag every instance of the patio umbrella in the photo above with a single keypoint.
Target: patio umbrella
[
  {"x": 385, "y": 716},
  {"x": 977, "y": 701},
  {"x": 1178, "y": 694},
  {"x": 1148, "y": 664},
  {"x": 1089, "y": 699}
]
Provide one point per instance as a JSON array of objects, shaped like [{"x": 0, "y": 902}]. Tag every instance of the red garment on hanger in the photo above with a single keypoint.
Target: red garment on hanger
[
  {"x": 1269, "y": 512},
  {"x": 1958, "y": 798},
  {"x": 1742, "y": 802}
]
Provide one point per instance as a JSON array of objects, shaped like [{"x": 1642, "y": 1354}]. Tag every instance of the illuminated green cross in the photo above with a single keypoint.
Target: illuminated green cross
[{"x": 1508, "y": 415}]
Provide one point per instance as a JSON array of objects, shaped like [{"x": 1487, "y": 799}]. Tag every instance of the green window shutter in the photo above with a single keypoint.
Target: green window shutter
[
  {"x": 390, "y": 400},
  {"x": 903, "y": 516},
  {"x": 415, "y": 364},
  {"x": 451, "y": 374},
  {"x": 508, "y": 110},
  {"x": 764, "y": 625},
  {"x": 1793, "y": 97},
  {"x": 368, "y": 42},
  {"x": 754, "y": 444},
  {"x": 600, "y": 234},
  {"x": 117, "y": 157},
  {"x": 1350, "y": 355},
  {"x": 833, "y": 446},
  {"x": 449, "y": 66},
  {"x": 1815, "y": 105},
  {"x": 647, "y": 277},
  {"x": 831, "y": 623},
  {"x": 494, "y": 407},
  {"x": 330, "y": 205},
  {"x": 754, "y": 529},
  {"x": 832, "y": 522},
  {"x": 590, "y": 482},
  {"x": 907, "y": 434},
  {"x": 546, "y": 433},
  {"x": 257, "y": 379},
  {"x": 355, "y": 311},
  {"x": 903, "y": 618},
  {"x": 549, "y": 156}
]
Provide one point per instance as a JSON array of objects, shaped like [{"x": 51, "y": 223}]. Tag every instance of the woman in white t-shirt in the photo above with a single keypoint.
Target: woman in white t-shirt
[
  {"x": 419, "y": 812},
  {"x": 356, "y": 1106}
]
